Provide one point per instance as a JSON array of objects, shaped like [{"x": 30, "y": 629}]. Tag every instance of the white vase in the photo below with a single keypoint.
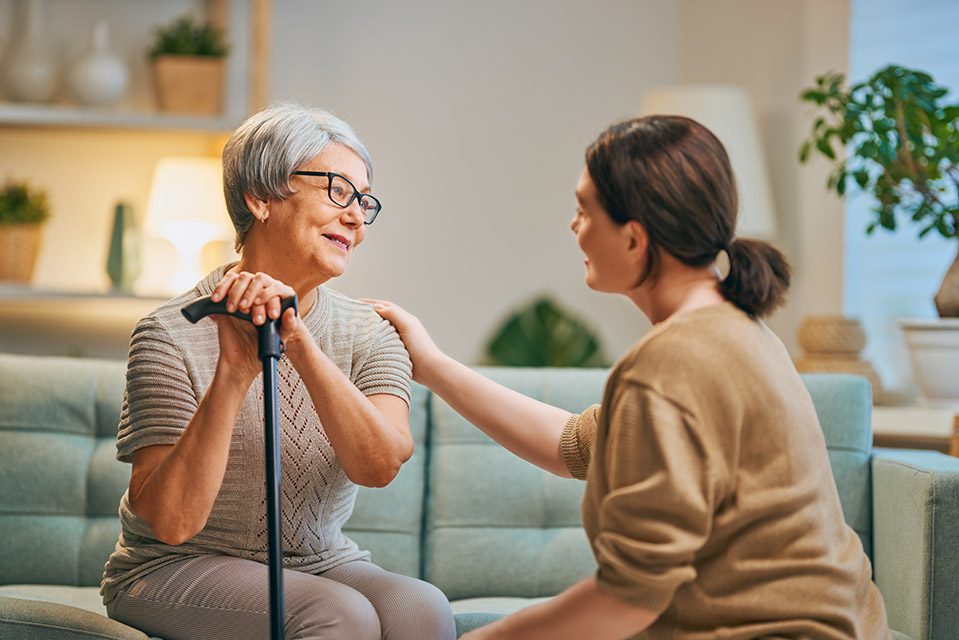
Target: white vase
[
  {"x": 31, "y": 72},
  {"x": 934, "y": 351},
  {"x": 100, "y": 77}
]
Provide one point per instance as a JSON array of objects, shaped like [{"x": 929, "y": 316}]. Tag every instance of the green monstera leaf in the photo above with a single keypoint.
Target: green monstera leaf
[{"x": 542, "y": 334}]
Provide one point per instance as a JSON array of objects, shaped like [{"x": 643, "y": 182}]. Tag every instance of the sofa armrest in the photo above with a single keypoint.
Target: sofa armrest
[{"x": 916, "y": 540}]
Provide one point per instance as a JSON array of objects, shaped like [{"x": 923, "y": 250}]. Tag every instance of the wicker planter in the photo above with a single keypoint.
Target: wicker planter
[
  {"x": 189, "y": 84},
  {"x": 19, "y": 246}
]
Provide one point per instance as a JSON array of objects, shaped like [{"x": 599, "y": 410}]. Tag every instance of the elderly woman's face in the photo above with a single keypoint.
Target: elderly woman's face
[{"x": 315, "y": 231}]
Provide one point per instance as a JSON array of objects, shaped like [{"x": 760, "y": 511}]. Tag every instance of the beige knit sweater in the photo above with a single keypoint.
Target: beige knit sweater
[
  {"x": 171, "y": 364},
  {"x": 709, "y": 495}
]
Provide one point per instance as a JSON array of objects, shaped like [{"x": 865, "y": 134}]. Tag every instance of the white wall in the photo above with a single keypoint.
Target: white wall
[
  {"x": 489, "y": 106},
  {"x": 477, "y": 116},
  {"x": 774, "y": 50}
]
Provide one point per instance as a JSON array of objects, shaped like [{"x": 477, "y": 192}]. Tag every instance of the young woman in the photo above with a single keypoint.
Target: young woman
[{"x": 709, "y": 503}]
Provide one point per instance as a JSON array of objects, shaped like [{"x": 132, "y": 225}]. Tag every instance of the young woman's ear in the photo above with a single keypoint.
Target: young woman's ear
[
  {"x": 637, "y": 240},
  {"x": 257, "y": 207}
]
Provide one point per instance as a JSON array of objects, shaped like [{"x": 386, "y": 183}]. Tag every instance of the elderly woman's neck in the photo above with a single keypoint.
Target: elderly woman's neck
[{"x": 305, "y": 286}]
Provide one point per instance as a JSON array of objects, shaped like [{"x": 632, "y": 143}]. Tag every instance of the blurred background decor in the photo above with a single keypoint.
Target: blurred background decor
[
  {"x": 123, "y": 256},
  {"x": 542, "y": 334},
  {"x": 100, "y": 77},
  {"x": 23, "y": 210},
  {"x": 834, "y": 344},
  {"x": 901, "y": 143},
  {"x": 728, "y": 112},
  {"x": 186, "y": 213},
  {"x": 30, "y": 70},
  {"x": 189, "y": 66}
]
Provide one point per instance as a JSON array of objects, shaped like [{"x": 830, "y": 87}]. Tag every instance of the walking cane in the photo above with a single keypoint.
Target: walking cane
[{"x": 269, "y": 349}]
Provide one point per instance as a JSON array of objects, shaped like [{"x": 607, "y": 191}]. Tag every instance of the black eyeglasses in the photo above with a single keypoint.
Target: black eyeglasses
[{"x": 342, "y": 193}]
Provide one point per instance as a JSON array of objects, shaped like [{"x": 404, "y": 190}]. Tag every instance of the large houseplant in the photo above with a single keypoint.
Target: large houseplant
[
  {"x": 901, "y": 144},
  {"x": 189, "y": 66},
  {"x": 23, "y": 209},
  {"x": 542, "y": 334}
]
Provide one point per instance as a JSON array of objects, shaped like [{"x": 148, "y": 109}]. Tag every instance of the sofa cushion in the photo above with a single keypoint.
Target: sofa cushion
[
  {"x": 61, "y": 483},
  {"x": 496, "y": 524},
  {"x": 35, "y": 619}
]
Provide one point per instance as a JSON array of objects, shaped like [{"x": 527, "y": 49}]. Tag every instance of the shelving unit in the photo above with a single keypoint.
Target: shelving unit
[{"x": 243, "y": 21}]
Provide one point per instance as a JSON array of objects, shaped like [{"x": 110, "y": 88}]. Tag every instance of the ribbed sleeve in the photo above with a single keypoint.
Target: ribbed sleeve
[
  {"x": 159, "y": 400},
  {"x": 576, "y": 443},
  {"x": 388, "y": 368}
]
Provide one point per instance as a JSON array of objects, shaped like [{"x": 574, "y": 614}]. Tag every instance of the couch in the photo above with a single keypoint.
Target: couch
[{"x": 493, "y": 532}]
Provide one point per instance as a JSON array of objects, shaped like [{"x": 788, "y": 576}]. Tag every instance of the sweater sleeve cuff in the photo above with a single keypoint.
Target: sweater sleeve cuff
[{"x": 571, "y": 449}]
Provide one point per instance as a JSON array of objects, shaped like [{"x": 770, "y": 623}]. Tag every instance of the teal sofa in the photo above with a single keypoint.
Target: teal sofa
[{"x": 491, "y": 531}]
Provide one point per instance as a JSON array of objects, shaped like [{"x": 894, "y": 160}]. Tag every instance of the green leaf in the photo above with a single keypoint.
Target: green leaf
[{"x": 824, "y": 148}]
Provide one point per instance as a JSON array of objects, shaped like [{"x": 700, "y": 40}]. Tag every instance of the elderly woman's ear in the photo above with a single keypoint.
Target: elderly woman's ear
[{"x": 257, "y": 207}]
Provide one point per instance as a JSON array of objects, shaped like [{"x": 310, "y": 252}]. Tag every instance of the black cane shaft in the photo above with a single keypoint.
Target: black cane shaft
[{"x": 270, "y": 422}]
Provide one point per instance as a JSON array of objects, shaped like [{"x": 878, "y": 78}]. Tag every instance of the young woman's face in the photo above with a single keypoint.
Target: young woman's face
[{"x": 609, "y": 266}]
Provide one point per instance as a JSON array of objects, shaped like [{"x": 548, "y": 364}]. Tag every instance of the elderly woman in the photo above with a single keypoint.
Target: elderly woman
[{"x": 190, "y": 561}]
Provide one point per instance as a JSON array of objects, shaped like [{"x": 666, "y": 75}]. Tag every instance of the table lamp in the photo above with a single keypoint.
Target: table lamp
[
  {"x": 727, "y": 111},
  {"x": 186, "y": 208}
]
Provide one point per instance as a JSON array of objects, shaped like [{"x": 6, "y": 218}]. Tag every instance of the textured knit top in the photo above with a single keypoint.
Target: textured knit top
[
  {"x": 170, "y": 366},
  {"x": 709, "y": 496}
]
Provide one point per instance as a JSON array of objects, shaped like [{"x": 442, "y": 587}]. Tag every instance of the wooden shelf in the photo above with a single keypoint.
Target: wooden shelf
[{"x": 23, "y": 115}]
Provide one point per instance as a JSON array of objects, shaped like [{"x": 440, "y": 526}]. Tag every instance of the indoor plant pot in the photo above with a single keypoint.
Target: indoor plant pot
[
  {"x": 902, "y": 147},
  {"x": 189, "y": 67},
  {"x": 22, "y": 213}
]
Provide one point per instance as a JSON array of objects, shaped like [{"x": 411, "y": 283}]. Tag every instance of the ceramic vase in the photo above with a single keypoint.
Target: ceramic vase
[
  {"x": 100, "y": 78},
  {"x": 30, "y": 70}
]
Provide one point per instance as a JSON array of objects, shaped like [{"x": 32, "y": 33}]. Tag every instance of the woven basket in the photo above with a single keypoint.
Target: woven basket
[
  {"x": 832, "y": 335},
  {"x": 19, "y": 245}
]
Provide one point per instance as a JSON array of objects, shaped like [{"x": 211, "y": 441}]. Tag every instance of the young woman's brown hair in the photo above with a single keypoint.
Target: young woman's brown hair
[{"x": 673, "y": 176}]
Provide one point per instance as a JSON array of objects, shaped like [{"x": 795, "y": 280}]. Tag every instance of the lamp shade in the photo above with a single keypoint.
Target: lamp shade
[
  {"x": 728, "y": 112},
  {"x": 186, "y": 208}
]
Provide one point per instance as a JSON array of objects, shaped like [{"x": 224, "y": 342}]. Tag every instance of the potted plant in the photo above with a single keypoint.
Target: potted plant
[
  {"x": 23, "y": 209},
  {"x": 541, "y": 334},
  {"x": 901, "y": 141},
  {"x": 189, "y": 66}
]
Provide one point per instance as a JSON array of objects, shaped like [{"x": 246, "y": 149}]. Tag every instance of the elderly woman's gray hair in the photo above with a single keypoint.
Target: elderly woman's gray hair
[{"x": 269, "y": 146}]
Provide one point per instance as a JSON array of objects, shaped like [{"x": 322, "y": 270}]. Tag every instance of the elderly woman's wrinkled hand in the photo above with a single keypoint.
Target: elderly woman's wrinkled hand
[{"x": 258, "y": 295}]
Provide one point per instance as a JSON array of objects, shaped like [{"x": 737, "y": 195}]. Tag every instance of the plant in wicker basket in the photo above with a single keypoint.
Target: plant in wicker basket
[
  {"x": 23, "y": 209},
  {"x": 188, "y": 66}
]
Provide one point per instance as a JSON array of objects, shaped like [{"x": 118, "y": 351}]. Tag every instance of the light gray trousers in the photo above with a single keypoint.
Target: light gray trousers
[{"x": 221, "y": 597}]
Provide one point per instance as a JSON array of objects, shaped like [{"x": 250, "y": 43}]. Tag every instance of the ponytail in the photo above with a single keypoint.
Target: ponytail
[{"x": 758, "y": 278}]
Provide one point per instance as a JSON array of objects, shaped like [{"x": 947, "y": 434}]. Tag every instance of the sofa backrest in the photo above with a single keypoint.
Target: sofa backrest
[
  {"x": 496, "y": 526},
  {"x": 492, "y": 522}
]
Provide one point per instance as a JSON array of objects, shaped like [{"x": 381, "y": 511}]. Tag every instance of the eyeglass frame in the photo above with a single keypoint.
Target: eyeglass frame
[{"x": 329, "y": 175}]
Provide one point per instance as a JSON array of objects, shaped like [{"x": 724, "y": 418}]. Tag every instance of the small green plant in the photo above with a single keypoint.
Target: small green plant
[
  {"x": 187, "y": 37},
  {"x": 902, "y": 143},
  {"x": 20, "y": 203},
  {"x": 542, "y": 334}
]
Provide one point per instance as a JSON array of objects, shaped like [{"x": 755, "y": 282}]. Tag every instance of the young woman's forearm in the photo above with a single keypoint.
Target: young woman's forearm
[
  {"x": 369, "y": 445},
  {"x": 178, "y": 493},
  {"x": 529, "y": 428}
]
